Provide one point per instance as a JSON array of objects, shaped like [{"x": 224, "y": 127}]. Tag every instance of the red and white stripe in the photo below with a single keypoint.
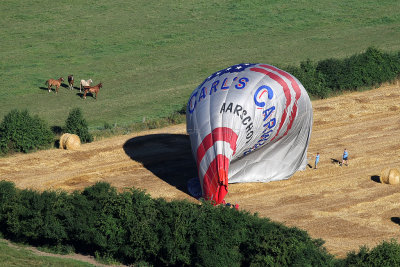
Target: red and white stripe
[
  {"x": 283, "y": 78},
  {"x": 215, "y": 181}
]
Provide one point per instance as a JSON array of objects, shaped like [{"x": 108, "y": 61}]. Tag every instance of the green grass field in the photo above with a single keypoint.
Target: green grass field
[
  {"x": 19, "y": 256},
  {"x": 150, "y": 55}
]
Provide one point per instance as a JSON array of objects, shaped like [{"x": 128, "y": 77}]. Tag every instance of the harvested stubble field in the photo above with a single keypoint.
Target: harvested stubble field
[{"x": 345, "y": 206}]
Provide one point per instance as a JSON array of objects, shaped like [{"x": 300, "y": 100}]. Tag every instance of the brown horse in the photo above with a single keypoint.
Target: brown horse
[
  {"x": 71, "y": 81},
  {"x": 92, "y": 89},
  {"x": 84, "y": 83},
  {"x": 56, "y": 83}
]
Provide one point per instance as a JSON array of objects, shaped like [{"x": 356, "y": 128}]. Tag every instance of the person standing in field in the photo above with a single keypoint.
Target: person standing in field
[
  {"x": 345, "y": 157},
  {"x": 316, "y": 160}
]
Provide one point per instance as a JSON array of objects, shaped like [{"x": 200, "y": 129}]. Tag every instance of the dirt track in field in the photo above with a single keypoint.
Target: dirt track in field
[{"x": 345, "y": 206}]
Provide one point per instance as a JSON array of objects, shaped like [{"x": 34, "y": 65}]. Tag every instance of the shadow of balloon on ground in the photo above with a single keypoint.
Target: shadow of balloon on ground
[
  {"x": 396, "y": 220},
  {"x": 168, "y": 156},
  {"x": 376, "y": 178}
]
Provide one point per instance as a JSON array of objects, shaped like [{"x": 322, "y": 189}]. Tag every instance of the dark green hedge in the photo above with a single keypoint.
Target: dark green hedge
[
  {"x": 76, "y": 124},
  {"x": 371, "y": 68},
  {"x": 386, "y": 254},
  {"x": 132, "y": 228},
  {"x": 21, "y": 132}
]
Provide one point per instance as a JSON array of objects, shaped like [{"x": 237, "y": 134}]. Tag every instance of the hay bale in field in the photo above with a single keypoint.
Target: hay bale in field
[
  {"x": 383, "y": 177},
  {"x": 394, "y": 176},
  {"x": 63, "y": 139},
  {"x": 73, "y": 142},
  {"x": 390, "y": 176},
  {"x": 70, "y": 141}
]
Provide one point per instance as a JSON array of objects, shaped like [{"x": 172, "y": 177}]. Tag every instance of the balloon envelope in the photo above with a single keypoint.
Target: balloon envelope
[{"x": 248, "y": 123}]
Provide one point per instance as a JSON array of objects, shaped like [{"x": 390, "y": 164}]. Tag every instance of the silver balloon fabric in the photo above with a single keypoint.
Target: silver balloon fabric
[{"x": 248, "y": 123}]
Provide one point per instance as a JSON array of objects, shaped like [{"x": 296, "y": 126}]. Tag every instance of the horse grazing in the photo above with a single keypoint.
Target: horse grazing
[
  {"x": 56, "y": 83},
  {"x": 71, "y": 81},
  {"x": 84, "y": 83},
  {"x": 92, "y": 89}
]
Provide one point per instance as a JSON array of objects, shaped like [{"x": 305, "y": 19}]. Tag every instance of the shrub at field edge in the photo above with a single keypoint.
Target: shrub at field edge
[
  {"x": 76, "y": 124},
  {"x": 20, "y": 132}
]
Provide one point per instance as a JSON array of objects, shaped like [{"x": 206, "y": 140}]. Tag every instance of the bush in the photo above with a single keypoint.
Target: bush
[
  {"x": 273, "y": 244},
  {"x": 133, "y": 228},
  {"x": 8, "y": 196},
  {"x": 20, "y": 132},
  {"x": 333, "y": 71},
  {"x": 105, "y": 223},
  {"x": 76, "y": 124},
  {"x": 371, "y": 68},
  {"x": 312, "y": 80},
  {"x": 385, "y": 254}
]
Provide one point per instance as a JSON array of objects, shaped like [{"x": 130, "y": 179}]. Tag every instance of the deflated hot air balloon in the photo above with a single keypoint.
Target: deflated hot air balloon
[{"x": 248, "y": 123}]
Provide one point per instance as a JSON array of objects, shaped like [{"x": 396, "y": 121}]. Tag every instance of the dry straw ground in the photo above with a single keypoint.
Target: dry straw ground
[{"x": 346, "y": 206}]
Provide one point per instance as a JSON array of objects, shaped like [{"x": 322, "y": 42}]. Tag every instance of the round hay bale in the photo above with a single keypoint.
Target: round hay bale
[
  {"x": 384, "y": 176},
  {"x": 73, "y": 142},
  {"x": 390, "y": 176},
  {"x": 63, "y": 139},
  {"x": 394, "y": 176}
]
